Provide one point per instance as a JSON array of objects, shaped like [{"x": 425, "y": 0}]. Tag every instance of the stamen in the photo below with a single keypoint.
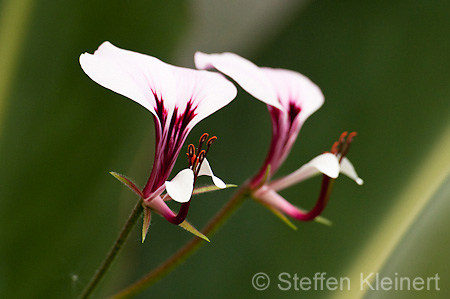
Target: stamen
[
  {"x": 211, "y": 141},
  {"x": 201, "y": 157},
  {"x": 191, "y": 150},
  {"x": 335, "y": 148},
  {"x": 351, "y": 136},
  {"x": 342, "y": 137},
  {"x": 191, "y": 154},
  {"x": 195, "y": 161},
  {"x": 346, "y": 147},
  {"x": 202, "y": 140},
  {"x": 341, "y": 147}
]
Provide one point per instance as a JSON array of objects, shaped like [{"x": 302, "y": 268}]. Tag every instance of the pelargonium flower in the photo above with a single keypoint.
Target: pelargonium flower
[
  {"x": 178, "y": 98},
  {"x": 291, "y": 98}
]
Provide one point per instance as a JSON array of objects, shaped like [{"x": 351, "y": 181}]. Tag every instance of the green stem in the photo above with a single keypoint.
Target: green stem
[
  {"x": 182, "y": 254},
  {"x": 112, "y": 254}
]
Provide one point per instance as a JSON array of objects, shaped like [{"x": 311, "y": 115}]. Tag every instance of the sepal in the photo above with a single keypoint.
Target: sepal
[
  {"x": 127, "y": 182},
  {"x": 146, "y": 222},
  {"x": 211, "y": 188},
  {"x": 187, "y": 226}
]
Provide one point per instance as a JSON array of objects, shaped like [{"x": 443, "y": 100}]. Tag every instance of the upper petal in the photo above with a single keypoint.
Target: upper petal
[
  {"x": 131, "y": 74},
  {"x": 205, "y": 92},
  {"x": 205, "y": 169},
  {"x": 327, "y": 164},
  {"x": 244, "y": 72},
  {"x": 295, "y": 89},
  {"x": 181, "y": 186},
  {"x": 160, "y": 87}
]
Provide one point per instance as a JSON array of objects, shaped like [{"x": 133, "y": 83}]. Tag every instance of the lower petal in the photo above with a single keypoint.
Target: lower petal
[
  {"x": 205, "y": 169},
  {"x": 348, "y": 169},
  {"x": 326, "y": 163},
  {"x": 181, "y": 186}
]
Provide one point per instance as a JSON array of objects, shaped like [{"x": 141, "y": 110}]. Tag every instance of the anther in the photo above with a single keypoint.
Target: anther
[
  {"x": 351, "y": 136},
  {"x": 195, "y": 161},
  {"x": 191, "y": 150},
  {"x": 202, "y": 140},
  {"x": 341, "y": 147},
  {"x": 335, "y": 148},
  {"x": 211, "y": 141},
  {"x": 191, "y": 154},
  {"x": 346, "y": 147},
  {"x": 342, "y": 138}
]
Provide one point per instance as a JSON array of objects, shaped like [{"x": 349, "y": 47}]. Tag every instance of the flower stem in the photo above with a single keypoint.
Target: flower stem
[
  {"x": 112, "y": 254},
  {"x": 182, "y": 254}
]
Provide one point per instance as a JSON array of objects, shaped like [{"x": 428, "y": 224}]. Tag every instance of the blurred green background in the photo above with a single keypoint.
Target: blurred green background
[{"x": 384, "y": 67}]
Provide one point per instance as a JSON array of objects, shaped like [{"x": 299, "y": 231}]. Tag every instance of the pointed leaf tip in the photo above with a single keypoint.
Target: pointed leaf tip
[
  {"x": 211, "y": 188},
  {"x": 146, "y": 223},
  {"x": 190, "y": 228},
  {"x": 127, "y": 182}
]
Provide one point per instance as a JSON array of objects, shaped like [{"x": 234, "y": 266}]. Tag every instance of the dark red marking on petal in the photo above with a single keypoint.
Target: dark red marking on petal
[
  {"x": 293, "y": 112},
  {"x": 160, "y": 110},
  {"x": 285, "y": 127},
  {"x": 169, "y": 140}
]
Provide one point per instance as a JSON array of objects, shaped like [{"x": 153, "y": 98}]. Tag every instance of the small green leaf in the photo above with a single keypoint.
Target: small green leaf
[
  {"x": 146, "y": 223},
  {"x": 187, "y": 226},
  {"x": 211, "y": 188},
  {"x": 127, "y": 183}
]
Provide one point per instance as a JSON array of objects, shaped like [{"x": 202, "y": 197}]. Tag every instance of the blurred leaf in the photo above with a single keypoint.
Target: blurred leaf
[
  {"x": 14, "y": 17},
  {"x": 60, "y": 138},
  {"x": 426, "y": 182}
]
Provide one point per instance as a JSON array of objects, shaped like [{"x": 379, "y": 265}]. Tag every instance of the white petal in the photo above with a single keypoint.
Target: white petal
[
  {"x": 348, "y": 169},
  {"x": 244, "y": 72},
  {"x": 139, "y": 77},
  {"x": 131, "y": 74},
  {"x": 205, "y": 169},
  {"x": 327, "y": 164},
  {"x": 181, "y": 186},
  {"x": 205, "y": 91},
  {"x": 293, "y": 87}
]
